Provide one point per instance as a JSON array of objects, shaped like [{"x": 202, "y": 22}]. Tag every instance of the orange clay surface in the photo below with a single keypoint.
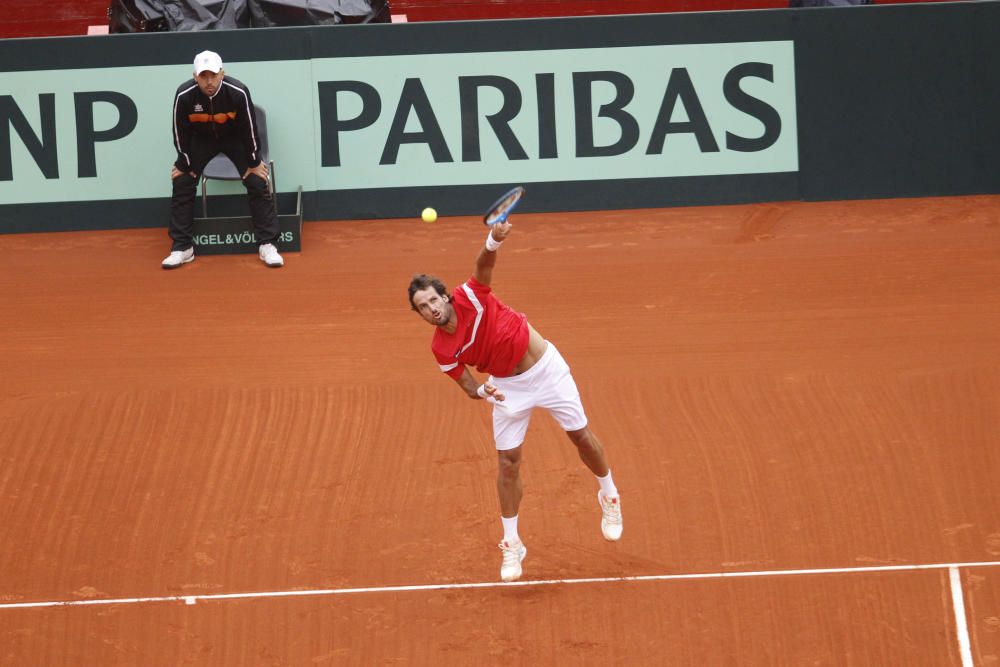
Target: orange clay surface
[{"x": 778, "y": 386}]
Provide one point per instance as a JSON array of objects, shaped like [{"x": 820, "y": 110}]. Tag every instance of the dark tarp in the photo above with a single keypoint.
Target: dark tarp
[
  {"x": 827, "y": 3},
  {"x": 188, "y": 15}
]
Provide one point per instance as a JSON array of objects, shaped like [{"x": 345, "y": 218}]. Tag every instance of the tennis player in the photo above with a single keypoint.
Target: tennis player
[{"x": 475, "y": 328}]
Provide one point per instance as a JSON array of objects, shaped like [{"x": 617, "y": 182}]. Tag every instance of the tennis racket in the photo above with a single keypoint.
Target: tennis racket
[{"x": 503, "y": 207}]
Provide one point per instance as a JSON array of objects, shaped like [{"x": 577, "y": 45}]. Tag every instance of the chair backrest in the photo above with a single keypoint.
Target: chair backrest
[
  {"x": 261, "y": 115},
  {"x": 222, "y": 168}
]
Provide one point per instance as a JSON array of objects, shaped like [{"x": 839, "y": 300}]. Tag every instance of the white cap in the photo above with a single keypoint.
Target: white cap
[{"x": 207, "y": 61}]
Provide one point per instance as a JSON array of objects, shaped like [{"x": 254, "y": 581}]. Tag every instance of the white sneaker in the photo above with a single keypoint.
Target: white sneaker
[
  {"x": 269, "y": 255},
  {"x": 611, "y": 519},
  {"x": 178, "y": 257},
  {"x": 513, "y": 554}
]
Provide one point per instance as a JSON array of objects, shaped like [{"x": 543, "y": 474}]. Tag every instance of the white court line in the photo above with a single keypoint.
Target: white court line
[
  {"x": 193, "y": 599},
  {"x": 958, "y": 603}
]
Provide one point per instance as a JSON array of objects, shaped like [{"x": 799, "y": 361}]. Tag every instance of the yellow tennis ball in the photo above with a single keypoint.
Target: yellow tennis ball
[{"x": 429, "y": 215}]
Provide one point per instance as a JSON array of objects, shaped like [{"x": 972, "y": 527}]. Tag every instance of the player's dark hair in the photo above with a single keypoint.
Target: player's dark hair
[{"x": 422, "y": 281}]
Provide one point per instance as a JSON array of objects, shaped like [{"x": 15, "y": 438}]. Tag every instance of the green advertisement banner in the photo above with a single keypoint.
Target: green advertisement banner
[{"x": 419, "y": 120}]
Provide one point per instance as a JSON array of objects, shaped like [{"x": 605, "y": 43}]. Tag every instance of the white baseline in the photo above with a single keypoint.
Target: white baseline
[{"x": 193, "y": 599}]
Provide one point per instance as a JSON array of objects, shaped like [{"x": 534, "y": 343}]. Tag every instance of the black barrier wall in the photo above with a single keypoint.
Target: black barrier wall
[
  {"x": 899, "y": 103},
  {"x": 889, "y": 101}
]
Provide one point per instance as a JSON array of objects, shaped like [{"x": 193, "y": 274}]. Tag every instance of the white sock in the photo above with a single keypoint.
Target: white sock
[
  {"x": 510, "y": 529},
  {"x": 608, "y": 487}
]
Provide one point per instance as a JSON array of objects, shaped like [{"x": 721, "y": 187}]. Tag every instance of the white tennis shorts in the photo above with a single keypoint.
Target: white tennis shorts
[{"x": 548, "y": 384}]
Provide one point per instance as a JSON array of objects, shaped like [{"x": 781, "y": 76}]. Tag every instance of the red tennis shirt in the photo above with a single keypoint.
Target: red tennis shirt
[{"x": 490, "y": 335}]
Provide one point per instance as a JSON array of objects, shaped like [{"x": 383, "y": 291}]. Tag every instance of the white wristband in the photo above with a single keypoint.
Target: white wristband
[
  {"x": 492, "y": 244},
  {"x": 481, "y": 390}
]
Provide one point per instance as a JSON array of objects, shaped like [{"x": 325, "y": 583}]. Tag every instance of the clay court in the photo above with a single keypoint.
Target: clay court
[{"x": 227, "y": 464}]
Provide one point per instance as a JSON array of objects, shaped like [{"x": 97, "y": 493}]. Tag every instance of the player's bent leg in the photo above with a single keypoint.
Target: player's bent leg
[
  {"x": 590, "y": 449},
  {"x": 592, "y": 452}
]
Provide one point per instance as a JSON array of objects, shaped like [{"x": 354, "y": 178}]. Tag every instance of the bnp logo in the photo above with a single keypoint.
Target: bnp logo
[{"x": 42, "y": 145}]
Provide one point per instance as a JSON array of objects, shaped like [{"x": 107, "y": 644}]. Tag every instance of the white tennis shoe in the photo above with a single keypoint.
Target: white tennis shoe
[
  {"x": 269, "y": 255},
  {"x": 611, "y": 516},
  {"x": 178, "y": 257},
  {"x": 513, "y": 554}
]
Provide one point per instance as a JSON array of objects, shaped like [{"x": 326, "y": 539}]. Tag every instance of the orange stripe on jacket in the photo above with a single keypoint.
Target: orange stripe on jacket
[{"x": 220, "y": 118}]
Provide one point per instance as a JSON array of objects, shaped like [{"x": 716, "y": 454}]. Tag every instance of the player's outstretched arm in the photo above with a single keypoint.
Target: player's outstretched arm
[{"x": 487, "y": 258}]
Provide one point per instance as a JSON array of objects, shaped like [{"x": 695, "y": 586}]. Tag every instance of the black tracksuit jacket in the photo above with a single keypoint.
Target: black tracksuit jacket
[{"x": 204, "y": 126}]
